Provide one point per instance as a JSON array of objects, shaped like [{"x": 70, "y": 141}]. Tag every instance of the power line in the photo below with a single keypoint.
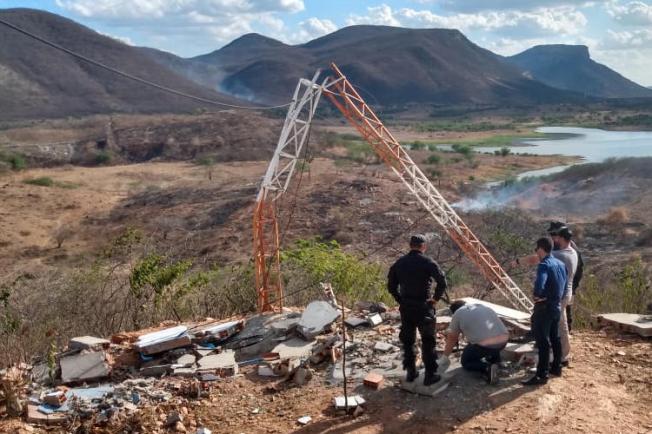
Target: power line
[{"x": 133, "y": 77}]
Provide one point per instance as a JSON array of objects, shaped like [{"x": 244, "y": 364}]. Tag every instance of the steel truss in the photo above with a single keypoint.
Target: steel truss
[{"x": 294, "y": 135}]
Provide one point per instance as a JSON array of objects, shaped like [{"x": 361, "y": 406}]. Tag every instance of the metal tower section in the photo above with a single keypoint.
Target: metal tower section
[
  {"x": 344, "y": 96},
  {"x": 294, "y": 136}
]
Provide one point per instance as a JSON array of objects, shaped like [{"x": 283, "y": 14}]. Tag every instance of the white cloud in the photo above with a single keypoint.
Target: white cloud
[
  {"x": 485, "y": 5},
  {"x": 123, "y": 39},
  {"x": 627, "y": 39},
  {"x": 542, "y": 21},
  {"x": 633, "y": 13},
  {"x": 313, "y": 28}
]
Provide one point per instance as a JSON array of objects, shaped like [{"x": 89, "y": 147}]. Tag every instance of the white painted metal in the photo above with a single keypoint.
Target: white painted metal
[{"x": 292, "y": 139}]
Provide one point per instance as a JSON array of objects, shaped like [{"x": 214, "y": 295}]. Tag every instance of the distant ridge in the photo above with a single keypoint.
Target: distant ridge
[
  {"x": 395, "y": 65},
  {"x": 570, "y": 67}
]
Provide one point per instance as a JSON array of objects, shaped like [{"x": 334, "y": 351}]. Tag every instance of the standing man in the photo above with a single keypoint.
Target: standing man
[
  {"x": 486, "y": 336},
  {"x": 579, "y": 272},
  {"x": 549, "y": 288},
  {"x": 565, "y": 253},
  {"x": 409, "y": 281}
]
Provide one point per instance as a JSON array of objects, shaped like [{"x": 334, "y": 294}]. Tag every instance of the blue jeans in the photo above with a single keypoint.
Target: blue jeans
[
  {"x": 545, "y": 327},
  {"x": 478, "y": 358}
]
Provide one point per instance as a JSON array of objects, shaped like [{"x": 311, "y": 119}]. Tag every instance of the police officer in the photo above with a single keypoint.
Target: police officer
[{"x": 414, "y": 274}]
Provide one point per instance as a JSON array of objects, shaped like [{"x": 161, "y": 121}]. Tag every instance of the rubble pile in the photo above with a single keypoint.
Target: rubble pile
[{"x": 109, "y": 381}]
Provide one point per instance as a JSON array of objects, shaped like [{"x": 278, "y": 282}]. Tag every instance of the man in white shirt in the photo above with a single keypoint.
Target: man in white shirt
[{"x": 566, "y": 254}]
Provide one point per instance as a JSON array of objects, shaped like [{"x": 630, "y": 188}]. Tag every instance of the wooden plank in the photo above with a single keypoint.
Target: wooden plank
[
  {"x": 629, "y": 322},
  {"x": 501, "y": 311}
]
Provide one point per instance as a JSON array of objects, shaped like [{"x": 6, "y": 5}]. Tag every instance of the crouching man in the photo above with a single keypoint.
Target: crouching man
[{"x": 486, "y": 336}]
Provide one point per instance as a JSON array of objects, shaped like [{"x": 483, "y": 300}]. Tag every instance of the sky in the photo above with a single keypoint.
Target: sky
[{"x": 617, "y": 32}]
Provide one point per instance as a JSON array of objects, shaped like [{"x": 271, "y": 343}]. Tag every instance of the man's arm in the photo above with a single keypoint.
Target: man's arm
[
  {"x": 540, "y": 283},
  {"x": 451, "y": 339},
  {"x": 392, "y": 284},
  {"x": 529, "y": 260},
  {"x": 440, "y": 279}
]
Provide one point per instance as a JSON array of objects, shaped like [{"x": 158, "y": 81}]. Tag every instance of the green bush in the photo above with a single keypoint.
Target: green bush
[
  {"x": 205, "y": 161},
  {"x": 433, "y": 159},
  {"x": 43, "y": 181},
  {"x": 102, "y": 158},
  {"x": 310, "y": 262},
  {"x": 465, "y": 150},
  {"x": 418, "y": 146},
  {"x": 15, "y": 161}
]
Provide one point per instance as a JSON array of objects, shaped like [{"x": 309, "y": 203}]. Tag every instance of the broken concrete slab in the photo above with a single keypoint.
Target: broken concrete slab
[
  {"x": 354, "y": 321},
  {"x": 217, "y": 330},
  {"x": 88, "y": 343},
  {"x": 628, "y": 322},
  {"x": 186, "y": 360},
  {"x": 161, "y": 347},
  {"x": 514, "y": 351},
  {"x": 163, "y": 340},
  {"x": 259, "y": 336},
  {"x": 384, "y": 347},
  {"x": 84, "y": 367},
  {"x": 184, "y": 372},
  {"x": 223, "y": 364},
  {"x": 294, "y": 348},
  {"x": 501, "y": 311},
  {"x": 316, "y": 318},
  {"x": 418, "y": 388},
  {"x": 155, "y": 370},
  {"x": 286, "y": 325}
]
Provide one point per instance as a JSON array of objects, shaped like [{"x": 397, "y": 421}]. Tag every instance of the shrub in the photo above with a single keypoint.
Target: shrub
[
  {"x": 205, "y": 161},
  {"x": 43, "y": 181},
  {"x": 102, "y": 158},
  {"x": 504, "y": 151},
  {"x": 433, "y": 159},
  {"x": 615, "y": 216},
  {"x": 15, "y": 161},
  {"x": 418, "y": 146}
]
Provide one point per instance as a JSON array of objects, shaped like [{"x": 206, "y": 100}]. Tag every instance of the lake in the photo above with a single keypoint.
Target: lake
[{"x": 592, "y": 145}]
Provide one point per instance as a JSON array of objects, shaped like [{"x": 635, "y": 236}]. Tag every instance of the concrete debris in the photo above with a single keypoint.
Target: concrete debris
[
  {"x": 294, "y": 348},
  {"x": 371, "y": 306},
  {"x": 375, "y": 319},
  {"x": 628, "y": 322},
  {"x": 222, "y": 364},
  {"x": 513, "y": 352},
  {"x": 354, "y": 321},
  {"x": 316, "y": 318},
  {"x": 186, "y": 360},
  {"x": 304, "y": 420},
  {"x": 418, "y": 388},
  {"x": 384, "y": 347},
  {"x": 342, "y": 403},
  {"x": 501, "y": 311},
  {"x": 203, "y": 430},
  {"x": 84, "y": 367},
  {"x": 88, "y": 343}
]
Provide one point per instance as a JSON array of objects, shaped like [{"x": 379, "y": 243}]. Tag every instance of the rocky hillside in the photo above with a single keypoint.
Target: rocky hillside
[
  {"x": 39, "y": 81},
  {"x": 570, "y": 67},
  {"x": 391, "y": 65}
]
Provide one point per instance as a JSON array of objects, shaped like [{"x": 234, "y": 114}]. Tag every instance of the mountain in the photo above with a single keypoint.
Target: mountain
[
  {"x": 570, "y": 67},
  {"x": 39, "y": 81},
  {"x": 391, "y": 65}
]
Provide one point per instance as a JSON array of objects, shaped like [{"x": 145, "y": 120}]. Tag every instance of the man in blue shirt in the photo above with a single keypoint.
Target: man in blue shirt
[{"x": 549, "y": 288}]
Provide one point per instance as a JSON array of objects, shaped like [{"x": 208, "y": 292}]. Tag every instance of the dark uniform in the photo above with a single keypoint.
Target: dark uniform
[{"x": 414, "y": 274}]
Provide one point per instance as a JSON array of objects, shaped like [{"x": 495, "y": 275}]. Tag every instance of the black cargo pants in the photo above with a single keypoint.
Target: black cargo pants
[{"x": 421, "y": 317}]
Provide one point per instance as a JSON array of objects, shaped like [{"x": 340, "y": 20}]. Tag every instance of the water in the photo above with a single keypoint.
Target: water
[{"x": 590, "y": 144}]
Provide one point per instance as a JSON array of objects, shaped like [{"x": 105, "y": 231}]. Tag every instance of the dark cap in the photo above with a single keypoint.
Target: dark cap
[
  {"x": 555, "y": 227},
  {"x": 565, "y": 233},
  {"x": 417, "y": 240}
]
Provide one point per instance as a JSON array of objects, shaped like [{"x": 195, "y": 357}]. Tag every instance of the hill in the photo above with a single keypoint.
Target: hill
[
  {"x": 570, "y": 67},
  {"x": 392, "y": 66},
  {"x": 39, "y": 81}
]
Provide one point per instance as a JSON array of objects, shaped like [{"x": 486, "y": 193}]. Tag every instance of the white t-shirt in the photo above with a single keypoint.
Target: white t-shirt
[{"x": 569, "y": 257}]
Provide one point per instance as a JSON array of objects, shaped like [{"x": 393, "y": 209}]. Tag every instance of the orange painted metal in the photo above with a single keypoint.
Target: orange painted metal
[{"x": 267, "y": 260}]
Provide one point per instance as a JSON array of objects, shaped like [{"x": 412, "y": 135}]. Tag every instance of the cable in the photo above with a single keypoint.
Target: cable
[{"x": 133, "y": 77}]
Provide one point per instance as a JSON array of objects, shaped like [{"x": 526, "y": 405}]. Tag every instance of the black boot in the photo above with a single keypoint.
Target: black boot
[
  {"x": 412, "y": 374},
  {"x": 431, "y": 378}
]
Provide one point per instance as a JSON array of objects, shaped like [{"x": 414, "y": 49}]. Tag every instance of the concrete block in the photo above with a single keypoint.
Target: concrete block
[
  {"x": 155, "y": 370},
  {"x": 353, "y": 401},
  {"x": 88, "y": 343},
  {"x": 317, "y": 316},
  {"x": 375, "y": 319},
  {"x": 304, "y": 420},
  {"x": 501, "y": 311},
  {"x": 186, "y": 360},
  {"x": 184, "y": 372},
  {"x": 373, "y": 380},
  {"x": 84, "y": 367},
  {"x": 514, "y": 351}
]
